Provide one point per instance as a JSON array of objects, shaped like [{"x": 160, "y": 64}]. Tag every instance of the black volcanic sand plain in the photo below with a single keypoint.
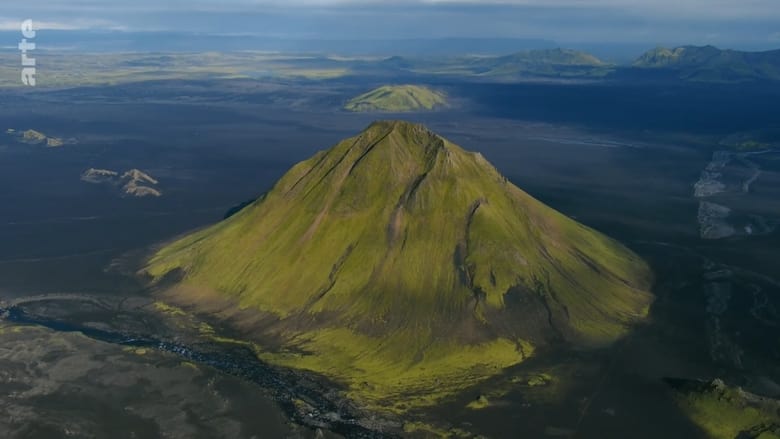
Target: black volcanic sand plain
[{"x": 214, "y": 145}]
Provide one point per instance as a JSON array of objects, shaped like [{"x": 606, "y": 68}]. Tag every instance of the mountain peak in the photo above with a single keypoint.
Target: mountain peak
[
  {"x": 396, "y": 258},
  {"x": 398, "y": 142},
  {"x": 413, "y": 133},
  {"x": 399, "y": 125}
]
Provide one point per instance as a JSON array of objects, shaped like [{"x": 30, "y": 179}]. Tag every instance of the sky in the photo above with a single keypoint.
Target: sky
[{"x": 725, "y": 23}]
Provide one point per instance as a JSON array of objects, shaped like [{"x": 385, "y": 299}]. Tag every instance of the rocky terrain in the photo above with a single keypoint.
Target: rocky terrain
[
  {"x": 132, "y": 183},
  {"x": 728, "y": 176},
  {"x": 33, "y": 137}
]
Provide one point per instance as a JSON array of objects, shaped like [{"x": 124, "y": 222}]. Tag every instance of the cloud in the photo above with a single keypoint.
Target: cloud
[
  {"x": 7, "y": 24},
  {"x": 670, "y": 8},
  {"x": 649, "y": 21}
]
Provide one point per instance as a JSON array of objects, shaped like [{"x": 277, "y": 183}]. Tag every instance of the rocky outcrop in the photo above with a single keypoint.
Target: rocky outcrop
[{"x": 132, "y": 183}]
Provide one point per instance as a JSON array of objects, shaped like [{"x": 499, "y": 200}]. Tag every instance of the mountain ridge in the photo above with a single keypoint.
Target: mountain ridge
[{"x": 709, "y": 63}]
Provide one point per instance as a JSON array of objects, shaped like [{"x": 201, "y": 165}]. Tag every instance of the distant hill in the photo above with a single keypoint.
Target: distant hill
[
  {"x": 558, "y": 63},
  {"x": 548, "y": 62},
  {"x": 708, "y": 63},
  {"x": 398, "y": 99},
  {"x": 406, "y": 268}
]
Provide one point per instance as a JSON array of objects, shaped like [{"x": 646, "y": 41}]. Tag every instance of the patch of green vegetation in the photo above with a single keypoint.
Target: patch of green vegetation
[
  {"x": 122, "y": 68},
  {"x": 539, "y": 380},
  {"x": 205, "y": 329},
  {"x": 479, "y": 403},
  {"x": 381, "y": 373},
  {"x": 189, "y": 364},
  {"x": 169, "y": 309},
  {"x": 660, "y": 57},
  {"x": 313, "y": 74},
  {"x": 398, "y": 99},
  {"x": 752, "y": 145},
  {"x": 15, "y": 329},
  {"x": 724, "y": 412},
  {"x": 387, "y": 261},
  {"x": 136, "y": 351},
  {"x": 422, "y": 429}
]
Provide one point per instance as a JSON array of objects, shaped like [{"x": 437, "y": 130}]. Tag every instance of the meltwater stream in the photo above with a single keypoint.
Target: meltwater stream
[{"x": 239, "y": 361}]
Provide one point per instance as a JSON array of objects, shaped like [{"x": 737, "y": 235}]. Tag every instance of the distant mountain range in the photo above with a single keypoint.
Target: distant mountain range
[
  {"x": 563, "y": 63},
  {"x": 709, "y": 63},
  {"x": 690, "y": 63}
]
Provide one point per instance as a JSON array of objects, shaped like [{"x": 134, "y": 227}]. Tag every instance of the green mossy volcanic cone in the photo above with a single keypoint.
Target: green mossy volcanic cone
[{"x": 403, "y": 265}]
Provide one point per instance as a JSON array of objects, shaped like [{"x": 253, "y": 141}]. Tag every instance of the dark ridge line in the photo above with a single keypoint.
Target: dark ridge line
[
  {"x": 407, "y": 196},
  {"x": 335, "y": 165},
  {"x": 306, "y": 174},
  {"x": 430, "y": 163},
  {"x": 598, "y": 269},
  {"x": 369, "y": 149},
  {"x": 462, "y": 252},
  {"x": 546, "y": 294},
  {"x": 331, "y": 277}
]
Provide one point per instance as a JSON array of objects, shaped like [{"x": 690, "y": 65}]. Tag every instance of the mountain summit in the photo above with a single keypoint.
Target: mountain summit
[{"x": 396, "y": 259}]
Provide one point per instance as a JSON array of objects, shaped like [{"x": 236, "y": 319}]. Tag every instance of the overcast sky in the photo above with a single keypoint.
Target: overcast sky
[{"x": 728, "y": 23}]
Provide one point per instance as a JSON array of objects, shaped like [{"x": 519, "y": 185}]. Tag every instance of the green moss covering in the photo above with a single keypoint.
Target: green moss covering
[
  {"x": 479, "y": 403},
  {"x": 168, "y": 309},
  {"x": 752, "y": 145},
  {"x": 410, "y": 269},
  {"x": 423, "y": 430},
  {"x": 539, "y": 380},
  {"x": 398, "y": 99},
  {"x": 724, "y": 412}
]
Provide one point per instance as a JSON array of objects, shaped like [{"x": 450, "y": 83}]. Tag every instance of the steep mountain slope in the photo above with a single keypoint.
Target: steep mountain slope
[
  {"x": 397, "y": 99},
  {"x": 402, "y": 265},
  {"x": 709, "y": 63}
]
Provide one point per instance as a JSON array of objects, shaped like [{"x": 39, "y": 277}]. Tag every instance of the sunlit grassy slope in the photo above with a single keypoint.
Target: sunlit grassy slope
[
  {"x": 397, "y": 99},
  {"x": 724, "y": 412},
  {"x": 403, "y": 265}
]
